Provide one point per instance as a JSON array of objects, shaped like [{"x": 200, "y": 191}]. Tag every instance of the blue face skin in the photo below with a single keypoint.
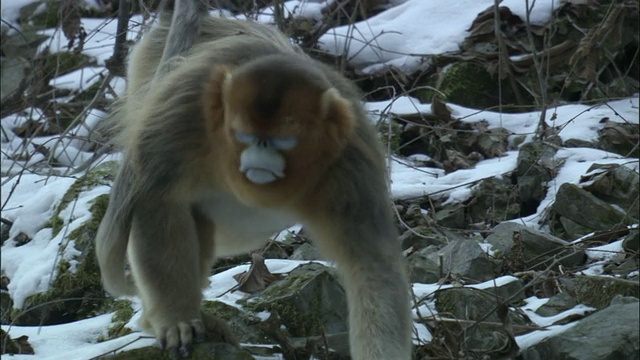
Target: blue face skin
[
  {"x": 261, "y": 162},
  {"x": 279, "y": 142}
]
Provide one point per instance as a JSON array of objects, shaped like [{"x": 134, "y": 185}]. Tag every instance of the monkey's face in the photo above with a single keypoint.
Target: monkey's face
[{"x": 280, "y": 132}]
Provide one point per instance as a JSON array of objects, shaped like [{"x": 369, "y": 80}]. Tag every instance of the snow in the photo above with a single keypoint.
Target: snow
[
  {"x": 100, "y": 40},
  {"x": 80, "y": 79},
  {"x": 401, "y": 36},
  {"x": 398, "y": 37},
  {"x": 408, "y": 181}
]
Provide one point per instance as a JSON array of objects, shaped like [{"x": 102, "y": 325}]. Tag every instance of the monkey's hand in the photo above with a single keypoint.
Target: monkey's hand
[{"x": 178, "y": 339}]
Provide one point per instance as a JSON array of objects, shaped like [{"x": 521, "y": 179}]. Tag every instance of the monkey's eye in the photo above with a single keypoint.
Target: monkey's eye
[
  {"x": 245, "y": 138},
  {"x": 284, "y": 142}
]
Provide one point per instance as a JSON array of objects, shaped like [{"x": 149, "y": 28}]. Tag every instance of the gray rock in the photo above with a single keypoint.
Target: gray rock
[
  {"x": 422, "y": 268},
  {"x": 306, "y": 251},
  {"x": 465, "y": 258},
  {"x": 535, "y": 247},
  {"x": 423, "y": 236},
  {"x": 493, "y": 143},
  {"x": 451, "y": 216},
  {"x": 598, "y": 291},
  {"x": 241, "y": 323},
  {"x": 494, "y": 200},
  {"x": 572, "y": 229},
  {"x": 610, "y": 334},
  {"x": 631, "y": 242},
  {"x": 206, "y": 350},
  {"x": 534, "y": 168},
  {"x": 618, "y": 138},
  {"x": 310, "y": 301},
  {"x": 587, "y": 210},
  {"x": 616, "y": 184},
  {"x": 574, "y": 143},
  {"x": 621, "y": 300},
  {"x": 484, "y": 330},
  {"x": 557, "y": 304}
]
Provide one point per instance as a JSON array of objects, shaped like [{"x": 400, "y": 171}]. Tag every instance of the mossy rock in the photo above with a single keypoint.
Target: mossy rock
[
  {"x": 76, "y": 292},
  {"x": 58, "y": 64},
  {"x": 33, "y": 16},
  {"x": 467, "y": 83},
  {"x": 123, "y": 314},
  {"x": 310, "y": 301},
  {"x": 494, "y": 200},
  {"x": 242, "y": 323},
  {"x": 598, "y": 291},
  {"x": 204, "y": 351}
]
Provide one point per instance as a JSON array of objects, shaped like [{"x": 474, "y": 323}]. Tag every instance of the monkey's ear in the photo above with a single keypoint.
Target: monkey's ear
[
  {"x": 338, "y": 118},
  {"x": 213, "y": 96}
]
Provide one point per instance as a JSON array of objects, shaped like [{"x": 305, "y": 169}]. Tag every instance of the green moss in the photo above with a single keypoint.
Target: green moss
[
  {"x": 598, "y": 291},
  {"x": 76, "y": 292},
  {"x": 124, "y": 313},
  {"x": 101, "y": 175},
  {"x": 309, "y": 301},
  {"x": 35, "y": 17},
  {"x": 469, "y": 84},
  {"x": 390, "y": 135},
  {"x": 61, "y": 63}
]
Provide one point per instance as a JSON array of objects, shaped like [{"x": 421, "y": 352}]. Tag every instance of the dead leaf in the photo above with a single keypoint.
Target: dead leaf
[{"x": 257, "y": 278}]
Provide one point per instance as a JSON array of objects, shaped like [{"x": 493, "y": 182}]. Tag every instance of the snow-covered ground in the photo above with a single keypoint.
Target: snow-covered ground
[{"x": 390, "y": 38}]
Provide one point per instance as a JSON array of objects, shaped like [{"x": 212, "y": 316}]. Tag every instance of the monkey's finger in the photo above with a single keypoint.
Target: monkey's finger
[
  {"x": 199, "y": 330},
  {"x": 186, "y": 338},
  {"x": 172, "y": 341}
]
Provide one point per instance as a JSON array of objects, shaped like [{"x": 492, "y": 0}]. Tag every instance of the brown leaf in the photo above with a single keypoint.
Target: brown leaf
[
  {"x": 257, "y": 278},
  {"x": 19, "y": 345},
  {"x": 440, "y": 109}
]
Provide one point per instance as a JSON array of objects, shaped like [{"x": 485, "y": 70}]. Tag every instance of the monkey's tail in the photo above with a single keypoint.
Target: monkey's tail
[
  {"x": 113, "y": 234},
  {"x": 111, "y": 249}
]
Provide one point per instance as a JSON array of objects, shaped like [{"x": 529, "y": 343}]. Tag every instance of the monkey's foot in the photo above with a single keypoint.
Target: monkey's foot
[{"x": 178, "y": 339}]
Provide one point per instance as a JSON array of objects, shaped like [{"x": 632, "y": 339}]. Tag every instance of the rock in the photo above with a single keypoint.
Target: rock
[
  {"x": 19, "y": 345},
  {"x": 598, "y": 291},
  {"x": 451, "y": 216},
  {"x": 465, "y": 258},
  {"x": 534, "y": 247},
  {"x": 493, "y": 143},
  {"x": 534, "y": 168},
  {"x": 616, "y": 184},
  {"x": 572, "y": 230},
  {"x": 422, "y": 268},
  {"x": 609, "y": 334},
  {"x": 557, "y": 304},
  {"x": 306, "y": 251},
  {"x": 494, "y": 200},
  {"x": 585, "y": 209},
  {"x": 574, "y": 143},
  {"x": 463, "y": 303},
  {"x": 241, "y": 323},
  {"x": 625, "y": 270},
  {"x": 13, "y": 71},
  {"x": 422, "y": 236},
  {"x": 207, "y": 350},
  {"x": 310, "y": 301},
  {"x": 620, "y": 138},
  {"x": 631, "y": 242},
  {"x": 621, "y": 300}
]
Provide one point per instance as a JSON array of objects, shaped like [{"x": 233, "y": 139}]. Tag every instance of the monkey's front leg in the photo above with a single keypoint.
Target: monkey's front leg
[
  {"x": 369, "y": 261},
  {"x": 165, "y": 261}
]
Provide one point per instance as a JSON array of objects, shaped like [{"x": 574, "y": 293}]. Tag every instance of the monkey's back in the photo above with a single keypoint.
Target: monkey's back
[{"x": 226, "y": 37}]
